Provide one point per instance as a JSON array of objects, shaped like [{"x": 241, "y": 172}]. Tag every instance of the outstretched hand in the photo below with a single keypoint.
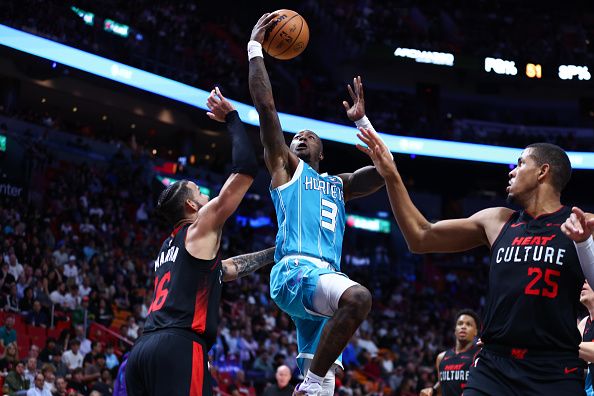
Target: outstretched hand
[
  {"x": 218, "y": 105},
  {"x": 577, "y": 227},
  {"x": 357, "y": 110},
  {"x": 377, "y": 150},
  {"x": 266, "y": 21}
]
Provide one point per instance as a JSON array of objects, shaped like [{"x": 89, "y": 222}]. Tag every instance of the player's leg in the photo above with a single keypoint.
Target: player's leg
[
  {"x": 348, "y": 304},
  {"x": 329, "y": 380}
]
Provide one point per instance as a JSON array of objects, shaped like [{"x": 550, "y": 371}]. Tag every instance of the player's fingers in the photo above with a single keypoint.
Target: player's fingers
[
  {"x": 350, "y": 89},
  {"x": 361, "y": 95},
  {"x": 211, "y": 103},
  {"x": 262, "y": 18},
  {"x": 346, "y": 105},
  {"x": 211, "y": 116},
  {"x": 218, "y": 92},
  {"x": 270, "y": 19},
  {"x": 363, "y": 149}
]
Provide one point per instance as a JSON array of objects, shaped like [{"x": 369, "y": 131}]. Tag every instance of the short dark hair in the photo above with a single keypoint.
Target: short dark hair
[
  {"x": 556, "y": 157},
  {"x": 170, "y": 205},
  {"x": 470, "y": 313}
]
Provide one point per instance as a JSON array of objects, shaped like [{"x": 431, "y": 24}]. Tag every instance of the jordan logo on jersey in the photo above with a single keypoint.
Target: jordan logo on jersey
[{"x": 171, "y": 255}]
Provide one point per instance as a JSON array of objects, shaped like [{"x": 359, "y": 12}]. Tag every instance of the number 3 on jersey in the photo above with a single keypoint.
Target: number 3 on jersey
[{"x": 328, "y": 220}]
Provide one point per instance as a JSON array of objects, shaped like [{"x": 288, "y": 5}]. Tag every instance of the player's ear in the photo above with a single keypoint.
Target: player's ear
[
  {"x": 321, "y": 155},
  {"x": 543, "y": 171},
  {"x": 191, "y": 205}
]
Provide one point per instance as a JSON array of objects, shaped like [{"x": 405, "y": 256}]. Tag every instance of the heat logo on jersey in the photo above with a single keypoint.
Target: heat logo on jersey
[{"x": 531, "y": 249}]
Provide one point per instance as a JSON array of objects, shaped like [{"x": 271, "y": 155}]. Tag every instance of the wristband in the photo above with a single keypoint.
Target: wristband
[
  {"x": 363, "y": 122},
  {"x": 254, "y": 49}
]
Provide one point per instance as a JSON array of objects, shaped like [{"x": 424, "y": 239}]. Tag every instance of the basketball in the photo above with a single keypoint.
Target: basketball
[{"x": 288, "y": 37}]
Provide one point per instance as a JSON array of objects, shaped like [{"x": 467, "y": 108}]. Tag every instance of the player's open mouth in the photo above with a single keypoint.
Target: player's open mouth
[{"x": 301, "y": 146}]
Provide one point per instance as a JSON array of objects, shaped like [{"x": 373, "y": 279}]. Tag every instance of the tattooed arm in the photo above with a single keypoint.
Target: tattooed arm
[{"x": 239, "y": 266}]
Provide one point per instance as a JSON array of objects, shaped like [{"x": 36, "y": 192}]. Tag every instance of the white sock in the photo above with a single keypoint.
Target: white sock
[{"x": 311, "y": 378}]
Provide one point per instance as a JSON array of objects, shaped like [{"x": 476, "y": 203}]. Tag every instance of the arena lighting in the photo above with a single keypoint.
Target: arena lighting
[
  {"x": 116, "y": 28},
  {"x": 166, "y": 181},
  {"x": 197, "y": 97},
  {"x": 88, "y": 17},
  {"x": 500, "y": 66},
  {"x": 568, "y": 72},
  {"x": 2, "y": 143},
  {"x": 368, "y": 223},
  {"x": 437, "y": 58}
]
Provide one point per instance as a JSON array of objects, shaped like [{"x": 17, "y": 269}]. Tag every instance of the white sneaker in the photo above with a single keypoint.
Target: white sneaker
[{"x": 311, "y": 389}]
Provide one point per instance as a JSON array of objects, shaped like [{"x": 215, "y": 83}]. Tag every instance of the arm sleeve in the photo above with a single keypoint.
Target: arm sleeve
[
  {"x": 585, "y": 252},
  {"x": 244, "y": 157}
]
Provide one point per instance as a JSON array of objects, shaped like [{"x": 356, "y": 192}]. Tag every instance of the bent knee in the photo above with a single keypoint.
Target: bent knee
[{"x": 357, "y": 297}]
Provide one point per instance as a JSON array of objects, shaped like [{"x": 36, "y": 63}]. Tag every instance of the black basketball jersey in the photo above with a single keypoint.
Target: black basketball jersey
[
  {"x": 453, "y": 370},
  {"x": 187, "y": 290},
  {"x": 534, "y": 285}
]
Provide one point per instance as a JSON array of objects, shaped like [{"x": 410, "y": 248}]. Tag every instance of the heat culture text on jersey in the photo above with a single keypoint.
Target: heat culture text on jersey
[
  {"x": 454, "y": 372},
  {"x": 531, "y": 249},
  {"x": 166, "y": 257}
]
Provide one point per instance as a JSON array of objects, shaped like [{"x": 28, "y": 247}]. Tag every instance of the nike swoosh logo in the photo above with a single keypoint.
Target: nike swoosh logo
[
  {"x": 517, "y": 224},
  {"x": 569, "y": 371}
]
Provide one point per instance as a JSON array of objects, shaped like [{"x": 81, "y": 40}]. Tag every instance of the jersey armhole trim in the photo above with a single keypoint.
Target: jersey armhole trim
[
  {"x": 296, "y": 176},
  {"x": 503, "y": 228}
]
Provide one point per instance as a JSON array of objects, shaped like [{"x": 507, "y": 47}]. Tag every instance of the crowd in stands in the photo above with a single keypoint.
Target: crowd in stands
[
  {"x": 76, "y": 283},
  {"x": 204, "y": 46}
]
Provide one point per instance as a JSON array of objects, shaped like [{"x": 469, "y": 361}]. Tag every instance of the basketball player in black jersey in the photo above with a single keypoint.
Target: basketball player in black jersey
[
  {"x": 530, "y": 337},
  {"x": 454, "y": 364},
  {"x": 171, "y": 356}
]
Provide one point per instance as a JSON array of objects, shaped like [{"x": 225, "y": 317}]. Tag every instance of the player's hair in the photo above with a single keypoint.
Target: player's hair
[
  {"x": 555, "y": 156},
  {"x": 170, "y": 205},
  {"x": 470, "y": 313}
]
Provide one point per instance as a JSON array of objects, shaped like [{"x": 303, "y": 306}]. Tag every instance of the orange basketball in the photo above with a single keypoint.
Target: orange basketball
[{"x": 288, "y": 36}]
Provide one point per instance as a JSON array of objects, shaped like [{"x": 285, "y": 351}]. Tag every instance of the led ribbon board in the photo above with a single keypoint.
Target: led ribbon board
[{"x": 197, "y": 97}]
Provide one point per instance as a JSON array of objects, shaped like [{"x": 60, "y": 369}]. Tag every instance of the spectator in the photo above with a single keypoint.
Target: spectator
[
  {"x": 132, "y": 328},
  {"x": 61, "y": 386},
  {"x": 77, "y": 383},
  {"x": 49, "y": 376},
  {"x": 282, "y": 386},
  {"x": 37, "y": 316},
  {"x": 10, "y": 357},
  {"x": 73, "y": 358},
  {"x": 12, "y": 300},
  {"x": 111, "y": 360},
  {"x": 85, "y": 343},
  {"x": 31, "y": 370},
  {"x": 7, "y": 332},
  {"x": 61, "y": 255},
  {"x": 14, "y": 267},
  {"x": 105, "y": 384},
  {"x": 49, "y": 351},
  {"x": 38, "y": 388},
  {"x": 26, "y": 303},
  {"x": 58, "y": 296},
  {"x": 70, "y": 268},
  {"x": 15, "y": 383}
]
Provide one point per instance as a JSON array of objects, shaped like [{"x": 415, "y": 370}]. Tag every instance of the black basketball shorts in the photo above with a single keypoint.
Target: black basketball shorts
[{"x": 168, "y": 362}]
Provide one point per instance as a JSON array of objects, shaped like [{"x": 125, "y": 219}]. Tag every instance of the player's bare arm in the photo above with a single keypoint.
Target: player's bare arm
[
  {"x": 435, "y": 389},
  {"x": 242, "y": 265},
  {"x": 366, "y": 180},
  {"x": 281, "y": 163},
  {"x": 204, "y": 234},
  {"x": 422, "y": 236}
]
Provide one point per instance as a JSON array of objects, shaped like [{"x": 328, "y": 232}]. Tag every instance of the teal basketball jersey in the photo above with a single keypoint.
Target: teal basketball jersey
[{"x": 311, "y": 216}]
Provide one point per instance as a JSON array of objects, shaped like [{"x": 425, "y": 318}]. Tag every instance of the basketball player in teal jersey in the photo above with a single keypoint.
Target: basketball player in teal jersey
[{"x": 326, "y": 306}]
